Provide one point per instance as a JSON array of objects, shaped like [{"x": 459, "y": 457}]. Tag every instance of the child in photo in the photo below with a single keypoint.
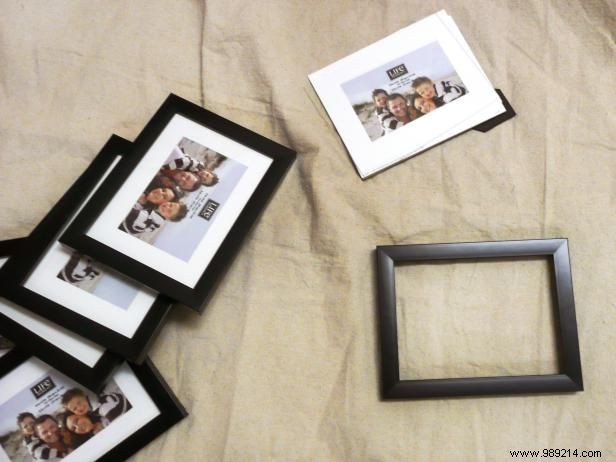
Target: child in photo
[
  {"x": 25, "y": 422},
  {"x": 178, "y": 160},
  {"x": 424, "y": 105},
  {"x": 109, "y": 407},
  {"x": 76, "y": 402},
  {"x": 386, "y": 119},
  {"x": 445, "y": 91}
]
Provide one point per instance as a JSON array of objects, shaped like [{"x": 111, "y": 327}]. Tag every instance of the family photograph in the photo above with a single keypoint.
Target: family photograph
[
  {"x": 178, "y": 206},
  {"x": 52, "y": 417},
  {"x": 397, "y": 93}
]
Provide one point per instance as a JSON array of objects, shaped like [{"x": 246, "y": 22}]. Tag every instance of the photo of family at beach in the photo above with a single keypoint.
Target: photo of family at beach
[
  {"x": 397, "y": 93},
  {"x": 177, "y": 208},
  {"x": 52, "y": 417}
]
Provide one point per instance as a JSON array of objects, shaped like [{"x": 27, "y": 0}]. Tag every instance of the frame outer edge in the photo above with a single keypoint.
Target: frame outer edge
[
  {"x": 566, "y": 313},
  {"x": 390, "y": 374},
  {"x": 568, "y": 380}
]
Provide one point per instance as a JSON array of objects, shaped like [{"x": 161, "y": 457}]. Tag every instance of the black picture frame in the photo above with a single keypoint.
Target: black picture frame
[
  {"x": 12, "y": 358},
  {"x": 193, "y": 297},
  {"x": 32, "y": 343},
  {"x": 26, "y": 258},
  {"x": 171, "y": 409},
  {"x": 569, "y": 378}
]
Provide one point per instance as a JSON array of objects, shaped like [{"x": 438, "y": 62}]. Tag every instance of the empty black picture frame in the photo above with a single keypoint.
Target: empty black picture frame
[
  {"x": 24, "y": 259},
  {"x": 28, "y": 341},
  {"x": 569, "y": 378},
  {"x": 171, "y": 409},
  {"x": 194, "y": 297}
]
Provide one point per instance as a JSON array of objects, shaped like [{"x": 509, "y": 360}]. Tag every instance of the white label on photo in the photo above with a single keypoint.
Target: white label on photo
[{"x": 181, "y": 250}]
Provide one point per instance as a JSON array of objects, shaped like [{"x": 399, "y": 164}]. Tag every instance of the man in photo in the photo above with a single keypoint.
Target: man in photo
[
  {"x": 396, "y": 103},
  {"x": 51, "y": 447},
  {"x": 37, "y": 449}
]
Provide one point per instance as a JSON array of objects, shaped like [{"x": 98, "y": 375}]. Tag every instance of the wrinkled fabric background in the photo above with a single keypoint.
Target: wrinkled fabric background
[{"x": 283, "y": 365}]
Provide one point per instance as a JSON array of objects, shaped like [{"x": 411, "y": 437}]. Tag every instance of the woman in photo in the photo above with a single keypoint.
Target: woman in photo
[
  {"x": 424, "y": 105},
  {"x": 152, "y": 198},
  {"x": 80, "y": 428}
]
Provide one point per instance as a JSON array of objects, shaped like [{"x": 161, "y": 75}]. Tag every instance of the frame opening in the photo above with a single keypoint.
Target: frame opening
[{"x": 476, "y": 318}]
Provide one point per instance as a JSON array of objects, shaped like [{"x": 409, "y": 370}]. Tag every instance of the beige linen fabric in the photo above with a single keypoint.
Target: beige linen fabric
[{"x": 283, "y": 365}]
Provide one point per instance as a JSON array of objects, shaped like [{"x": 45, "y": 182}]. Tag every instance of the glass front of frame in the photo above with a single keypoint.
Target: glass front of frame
[
  {"x": 175, "y": 209},
  {"x": 44, "y": 415}
]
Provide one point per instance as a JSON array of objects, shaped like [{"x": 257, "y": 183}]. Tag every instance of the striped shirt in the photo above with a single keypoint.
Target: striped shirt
[
  {"x": 78, "y": 268},
  {"x": 112, "y": 406},
  {"x": 178, "y": 160},
  {"x": 388, "y": 122},
  {"x": 40, "y": 451},
  {"x": 446, "y": 91},
  {"x": 140, "y": 220}
]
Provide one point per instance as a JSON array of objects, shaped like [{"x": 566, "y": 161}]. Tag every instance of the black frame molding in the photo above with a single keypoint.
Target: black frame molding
[
  {"x": 171, "y": 410},
  {"x": 569, "y": 378},
  {"x": 24, "y": 259},
  {"x": 75, "y": 236},
  {"x": 26, "y": 340}
]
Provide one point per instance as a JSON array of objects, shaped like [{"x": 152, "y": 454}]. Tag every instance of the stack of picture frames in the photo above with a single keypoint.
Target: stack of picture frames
[{"x": 148, "y": 224}]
